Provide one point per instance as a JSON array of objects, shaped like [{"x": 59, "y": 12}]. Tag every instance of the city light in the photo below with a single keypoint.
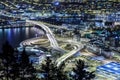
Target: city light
[{"x": 44, "y": 39}]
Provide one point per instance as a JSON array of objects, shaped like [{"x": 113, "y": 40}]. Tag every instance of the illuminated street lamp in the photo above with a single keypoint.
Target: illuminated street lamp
[{"x": 56, "y": 3}]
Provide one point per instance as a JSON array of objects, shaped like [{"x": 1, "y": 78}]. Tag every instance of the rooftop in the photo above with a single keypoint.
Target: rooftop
[{"x": 112, "y": 67}]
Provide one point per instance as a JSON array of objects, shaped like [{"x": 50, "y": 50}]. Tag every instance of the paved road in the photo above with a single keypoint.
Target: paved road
[
  {"x": 77, "y": 48},
  {"x": 55, "y": 26},
  {"x": 54, "y": 43},
  {"x": 29, "y": 41},
  {"x": 49, "y": 33},
  {"x": 7, "y": 5}
]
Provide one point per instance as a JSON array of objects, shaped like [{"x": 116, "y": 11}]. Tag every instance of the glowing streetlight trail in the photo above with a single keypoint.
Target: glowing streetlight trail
[{"x": 49, "y": 33}]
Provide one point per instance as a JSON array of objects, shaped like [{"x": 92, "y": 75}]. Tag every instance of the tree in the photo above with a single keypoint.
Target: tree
[
  {"x": 15, "y": 66},
  {"x": 81, "y": 73},
  {"x": 51, "y": 71},
  {"x": 61, "y": 75},
  {"x": 8, "y": 60},
  {"x": 26, "y": 69}
]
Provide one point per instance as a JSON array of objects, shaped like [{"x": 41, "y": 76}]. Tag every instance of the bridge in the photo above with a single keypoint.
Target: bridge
[
  {"x": 77, "y": 47},
  {"x": 54, "y": 43},
  {"x": 49, "y": 33}
]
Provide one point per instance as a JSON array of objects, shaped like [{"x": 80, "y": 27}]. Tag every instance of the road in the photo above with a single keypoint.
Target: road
[
  {"x": 29, "y": 41},
  {"x": 7, "y": 5},
  {"x": 49, "y": 33},
  {"x": 55, "y": 26},
  {"x": 77, "y": 48},
  {"x": 54, "y": 43}
]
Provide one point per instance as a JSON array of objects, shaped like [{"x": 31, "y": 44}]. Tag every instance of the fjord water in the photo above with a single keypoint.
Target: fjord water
[{"x": 16, "y": 35}]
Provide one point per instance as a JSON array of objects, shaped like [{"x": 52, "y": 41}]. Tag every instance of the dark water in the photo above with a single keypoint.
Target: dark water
[{"x": 16, "y": 35}]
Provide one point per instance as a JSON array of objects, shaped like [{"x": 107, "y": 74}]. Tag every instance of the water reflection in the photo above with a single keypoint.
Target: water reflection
[
  {"x": 15, "y": 35},
  {"x": 27, "y": 32}
]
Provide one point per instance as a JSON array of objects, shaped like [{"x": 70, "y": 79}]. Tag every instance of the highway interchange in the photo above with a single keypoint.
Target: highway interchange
[
  {"x": 78, "y": 45},
  {"x": 54, "y": 42},
  {"x": 50, "y": 36}
]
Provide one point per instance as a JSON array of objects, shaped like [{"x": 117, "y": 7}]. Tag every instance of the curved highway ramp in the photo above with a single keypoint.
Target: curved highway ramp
[
  {"x": 49, "y": 34},
  {"x": 76, "y": 49}
]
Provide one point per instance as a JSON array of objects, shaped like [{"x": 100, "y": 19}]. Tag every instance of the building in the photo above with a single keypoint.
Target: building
[{"x": 109, "y": 71}]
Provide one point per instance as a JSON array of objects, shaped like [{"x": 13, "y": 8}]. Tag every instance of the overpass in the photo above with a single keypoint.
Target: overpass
[
  {"x": 77, "y": 48},
  {"x": 49, "y": 33},
  {"x": 54, "y": 43}
]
